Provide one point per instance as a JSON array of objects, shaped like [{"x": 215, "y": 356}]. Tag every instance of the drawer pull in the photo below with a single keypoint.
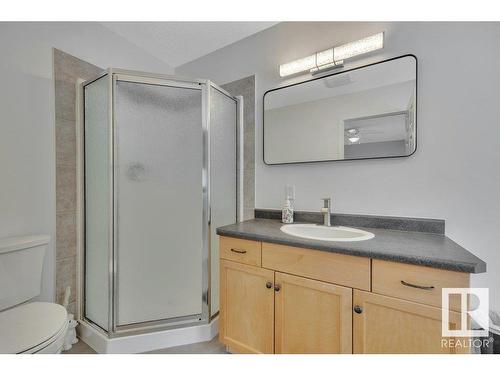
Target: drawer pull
[
  {"x": 277, "y": 288},
  {"x": 269, "y": 285},
  {"x": 416, "y": 286},
  {"x": 239, "y": 251}
]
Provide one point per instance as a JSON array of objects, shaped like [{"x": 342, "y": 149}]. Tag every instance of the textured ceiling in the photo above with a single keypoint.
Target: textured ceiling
[{"x": 177, "y": 43}]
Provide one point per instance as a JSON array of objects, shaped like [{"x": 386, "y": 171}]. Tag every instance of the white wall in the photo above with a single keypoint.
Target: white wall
[
  {"x": 455, "y": 172},
  {"x": 27, "y": 156}
]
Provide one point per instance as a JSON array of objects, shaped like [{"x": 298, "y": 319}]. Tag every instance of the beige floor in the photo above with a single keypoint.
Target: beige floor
[
  {"x": 80, "y": 348},
  {"x": 208, "y": 347}
]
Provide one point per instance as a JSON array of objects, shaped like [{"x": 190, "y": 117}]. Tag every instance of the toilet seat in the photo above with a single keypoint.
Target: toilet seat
[{"x": 36, "y": 327}]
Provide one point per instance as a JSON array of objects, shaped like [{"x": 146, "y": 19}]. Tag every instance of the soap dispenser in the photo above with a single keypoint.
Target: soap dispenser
[{"x": 287, "y": 210}]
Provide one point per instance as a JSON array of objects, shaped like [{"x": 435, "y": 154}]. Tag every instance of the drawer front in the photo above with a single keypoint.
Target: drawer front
[
  {"x": 339, "y": 269},
  {"x": 241, "y": 251},
  {"x": 416, "y": 283}
]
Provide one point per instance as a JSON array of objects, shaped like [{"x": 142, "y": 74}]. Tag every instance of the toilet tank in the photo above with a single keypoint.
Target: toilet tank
[{"x": 21, "y": 264}]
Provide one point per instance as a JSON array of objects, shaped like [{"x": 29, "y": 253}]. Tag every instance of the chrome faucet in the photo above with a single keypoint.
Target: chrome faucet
[{"x": 326, "y": 211}]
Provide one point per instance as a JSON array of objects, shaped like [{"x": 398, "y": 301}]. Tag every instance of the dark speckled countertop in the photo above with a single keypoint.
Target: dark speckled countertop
[{"x": 426, "y": 249}]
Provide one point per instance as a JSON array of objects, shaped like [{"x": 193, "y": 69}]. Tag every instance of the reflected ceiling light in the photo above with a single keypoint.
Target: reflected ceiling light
[
  {"x": 352, "y": 135},
  {"x": 337, "y": 80},
  {"x": 333, "y": 57}
]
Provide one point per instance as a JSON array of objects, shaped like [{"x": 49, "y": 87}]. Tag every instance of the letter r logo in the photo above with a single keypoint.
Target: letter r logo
[{"x": 474, "y": 304}]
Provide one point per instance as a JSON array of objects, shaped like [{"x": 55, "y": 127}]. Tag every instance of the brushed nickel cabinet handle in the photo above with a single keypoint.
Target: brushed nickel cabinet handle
[
  {"x": 239, "y": 251},
  {"x": 269, "y": 285},
  {"x": 416, "y": 286}
]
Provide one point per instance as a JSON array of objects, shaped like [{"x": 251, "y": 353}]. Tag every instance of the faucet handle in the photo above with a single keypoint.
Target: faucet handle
[{"x": 326, "y": 202}]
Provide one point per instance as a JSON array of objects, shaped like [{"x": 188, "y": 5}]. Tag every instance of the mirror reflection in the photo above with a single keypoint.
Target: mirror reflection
[{"x": 369, "y": 112}]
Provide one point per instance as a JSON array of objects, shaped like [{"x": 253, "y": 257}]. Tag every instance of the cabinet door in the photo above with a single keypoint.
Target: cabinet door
[
  {"x": 246, "y": 308},
  {"x": 312, "y": 316},
  {"x": 391, "y": 325}
]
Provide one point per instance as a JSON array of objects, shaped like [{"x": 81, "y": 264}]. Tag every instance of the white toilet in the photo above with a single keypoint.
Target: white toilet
[{"x": 27, "y": 327}]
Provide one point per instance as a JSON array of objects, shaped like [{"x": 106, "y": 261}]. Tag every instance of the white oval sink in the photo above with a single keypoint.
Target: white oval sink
[{"x": 323, "y": 233}]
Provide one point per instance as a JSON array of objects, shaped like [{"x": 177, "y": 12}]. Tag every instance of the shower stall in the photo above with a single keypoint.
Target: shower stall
[{"x": 158, "y": 174}]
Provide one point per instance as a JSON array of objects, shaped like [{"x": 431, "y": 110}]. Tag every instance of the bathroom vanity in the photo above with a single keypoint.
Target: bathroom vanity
[{"x": 284, "y": 294}]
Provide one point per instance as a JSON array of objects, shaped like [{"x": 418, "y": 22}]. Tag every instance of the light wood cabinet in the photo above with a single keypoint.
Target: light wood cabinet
[
  {"x": 392, "y": 325},
  {"x": 241, "y": 251},
  {"x": 262, "y": 311},
  {"x": 312, "y": 316},
  {"x": 416, "y": 283},
  {"x": 246, "y": 308},
  {"x": 282, "y": 299},
  {"x": 346, "y": 270}
]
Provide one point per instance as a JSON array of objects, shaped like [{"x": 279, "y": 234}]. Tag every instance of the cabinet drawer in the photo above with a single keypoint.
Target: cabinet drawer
[
  {"x": 416, "y": 283},
  {"x": 241, "y": 251},
  {"x": 339, "y": 269}
]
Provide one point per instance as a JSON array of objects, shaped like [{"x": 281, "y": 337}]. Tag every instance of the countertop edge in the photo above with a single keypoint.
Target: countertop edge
[{"x": 474, "y": 268}]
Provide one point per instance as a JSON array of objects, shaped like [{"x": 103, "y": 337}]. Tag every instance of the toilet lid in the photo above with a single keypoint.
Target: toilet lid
[{"x": 26, "y": 326}]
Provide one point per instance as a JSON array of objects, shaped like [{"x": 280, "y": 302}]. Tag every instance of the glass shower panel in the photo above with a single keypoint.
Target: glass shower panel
[
  {"x": 158, "y": 228},
  {"x": 223, "y": 120},
  {"x": 97, "y": 201}
]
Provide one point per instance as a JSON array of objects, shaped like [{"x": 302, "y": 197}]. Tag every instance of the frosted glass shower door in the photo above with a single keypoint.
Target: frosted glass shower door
[
  {"x": 158, "y": 202},
  {"x": 98, "y": 185},
  {"x": 223, "y": 120}
]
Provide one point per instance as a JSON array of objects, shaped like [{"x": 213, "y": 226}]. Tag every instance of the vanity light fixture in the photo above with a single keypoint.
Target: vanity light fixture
[
  {"x": 333, "y": 57},
  {"x": 359, "y": 47}
]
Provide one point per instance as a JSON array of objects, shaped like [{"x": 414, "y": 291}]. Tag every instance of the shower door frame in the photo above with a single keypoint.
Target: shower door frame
[{"x": 114, "y": 75}]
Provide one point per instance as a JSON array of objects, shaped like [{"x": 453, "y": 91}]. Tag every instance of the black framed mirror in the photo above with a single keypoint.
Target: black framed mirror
[{"x": 369, "y": 112}]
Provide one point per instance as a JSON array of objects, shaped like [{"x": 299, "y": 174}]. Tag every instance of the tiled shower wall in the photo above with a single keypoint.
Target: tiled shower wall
[
  {"x": 246, "y": 88},
  {"x": 67, "y": 70}
]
